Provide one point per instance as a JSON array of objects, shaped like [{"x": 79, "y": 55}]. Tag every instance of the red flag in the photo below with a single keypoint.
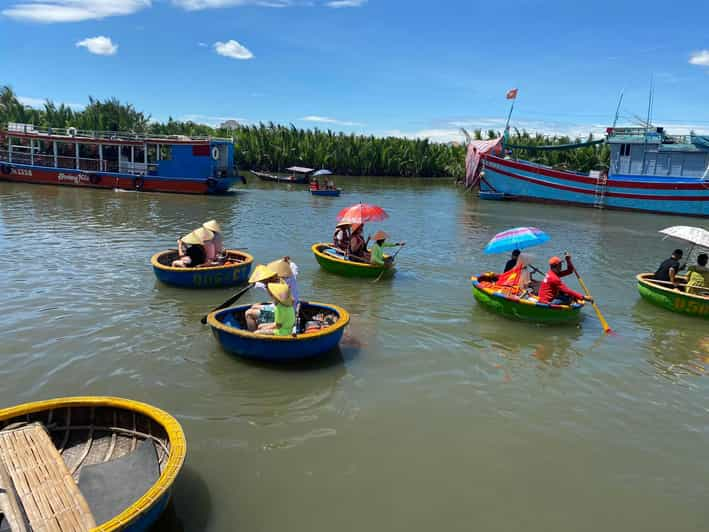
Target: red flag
[{"x": 511, "y": 94}]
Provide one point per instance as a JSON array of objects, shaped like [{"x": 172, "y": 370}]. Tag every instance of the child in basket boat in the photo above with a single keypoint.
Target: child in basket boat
[{"x": 284, "y": 313}]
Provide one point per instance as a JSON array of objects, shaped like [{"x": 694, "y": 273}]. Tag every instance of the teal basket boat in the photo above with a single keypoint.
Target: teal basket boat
[
  {"x": 671, "y": 299},
  {"x": 525, "y": 309}
]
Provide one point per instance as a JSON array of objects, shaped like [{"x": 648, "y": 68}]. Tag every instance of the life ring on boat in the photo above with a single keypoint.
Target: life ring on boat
[
  {"x": 211, "y": 185},
  {"x": 6, "y": 169},
  {"x": 71, "y": 131},
  {"x": 215, "y": 153},
  {"x": 138, "y": 183}
]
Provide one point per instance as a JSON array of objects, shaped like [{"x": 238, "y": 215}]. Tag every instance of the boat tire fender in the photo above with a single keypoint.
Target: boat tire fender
[
  {"x": 6, "y": 169},
  {"x": 211, "y": 184},
  {"x": 138, "y": 183}
]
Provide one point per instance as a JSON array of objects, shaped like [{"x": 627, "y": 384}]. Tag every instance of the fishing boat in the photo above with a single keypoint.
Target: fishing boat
[
  {"x": 334, "y": 261},
  {"x": 298, "y": 175},
  {"x": 87, "y": 463},
  {"x": 650, "y": 170},
  {"x": 666, "y": 297},
  {"x": 235, "y": 271},
  {"x": 229, "y": 328},
  {"x": 522, "y": 308},
  {"x": 116, "y": 160},
  {"x": 326, "y": 192}
]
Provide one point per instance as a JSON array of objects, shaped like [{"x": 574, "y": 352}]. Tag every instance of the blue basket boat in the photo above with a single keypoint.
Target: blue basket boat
[
  {"x": 233, "y": 273},
  {"x": 333, "y": 193},
  {"x": 229, "y": 328}
]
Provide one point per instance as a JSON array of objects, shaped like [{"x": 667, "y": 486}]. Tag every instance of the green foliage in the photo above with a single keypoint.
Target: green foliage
[{"x": 274, "y": 147}]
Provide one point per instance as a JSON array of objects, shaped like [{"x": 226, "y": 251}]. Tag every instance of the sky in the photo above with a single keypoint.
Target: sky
[{"x": 384, "y": 67}]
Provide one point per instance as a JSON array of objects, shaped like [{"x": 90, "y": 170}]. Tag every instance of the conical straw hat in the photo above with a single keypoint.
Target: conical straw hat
[
  {"x": 261, "y": 273},
  {"x": 191, "y": 238},
  {"x": 281, "y": 267},
  {"x": 212, "y": 225},
  {"x": 203, "y": 234},
  {"x": 281, "y": 293},
  {"x": 380, "y": 235}
]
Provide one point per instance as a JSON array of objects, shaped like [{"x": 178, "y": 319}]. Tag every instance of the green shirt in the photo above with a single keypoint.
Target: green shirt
[
  {"x": 377, "y": 253},
  {"x": 285, "y": 317},
  {"x": 698, "y": 277}
]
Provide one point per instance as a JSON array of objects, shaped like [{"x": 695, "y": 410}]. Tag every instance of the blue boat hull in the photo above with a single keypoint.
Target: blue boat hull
[
  {"x": 527, "y": 181},
  {"x": 276, "y": 348},
  {"x": 212, "y": 277},
  {"x": 333, "y": 193}
]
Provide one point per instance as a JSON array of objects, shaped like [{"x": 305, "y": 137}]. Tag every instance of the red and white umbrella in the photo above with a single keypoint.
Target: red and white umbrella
[{"x": 362, "y": 212}]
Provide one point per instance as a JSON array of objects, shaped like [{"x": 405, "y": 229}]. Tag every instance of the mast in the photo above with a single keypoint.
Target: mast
[{"x": 617, "y": 109}]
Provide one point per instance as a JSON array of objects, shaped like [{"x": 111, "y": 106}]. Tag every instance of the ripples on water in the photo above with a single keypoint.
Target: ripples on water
[{"x": 433, "y": 413}]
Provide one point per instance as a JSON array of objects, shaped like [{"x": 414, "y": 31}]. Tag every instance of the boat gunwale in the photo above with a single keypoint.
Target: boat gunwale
[
  {"x": 248, "y": 260},
  {"x": 173, "y": 429},
  {"x": 343, "y": 321},
  {"x": 647, "y": 283},
  {"x": 515, "y": 299},
  {"x": 315, "y": 249}
]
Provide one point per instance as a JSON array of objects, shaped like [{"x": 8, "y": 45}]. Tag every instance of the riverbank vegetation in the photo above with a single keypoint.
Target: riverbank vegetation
[{"x": 274, "y": 147}]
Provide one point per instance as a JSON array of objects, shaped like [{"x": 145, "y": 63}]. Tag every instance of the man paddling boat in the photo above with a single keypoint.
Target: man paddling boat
[{"x": 553, "y": 291}]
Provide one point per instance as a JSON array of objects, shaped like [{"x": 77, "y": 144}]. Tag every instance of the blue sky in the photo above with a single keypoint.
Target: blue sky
[{"x": 414, "y": 68}]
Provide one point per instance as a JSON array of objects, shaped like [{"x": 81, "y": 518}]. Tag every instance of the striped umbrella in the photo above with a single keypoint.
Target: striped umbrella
[{"x": 516, "y": 238}]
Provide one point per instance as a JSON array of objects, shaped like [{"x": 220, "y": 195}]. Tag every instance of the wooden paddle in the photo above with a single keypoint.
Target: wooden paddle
[
  {"x": 604, "y": 323},
  {"x": 228, "y": 302}
]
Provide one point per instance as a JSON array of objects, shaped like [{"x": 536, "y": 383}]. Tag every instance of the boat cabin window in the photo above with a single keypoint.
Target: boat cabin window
[
  {"x": 165, "y": 153},
  {"x": 625, "y": 150}
]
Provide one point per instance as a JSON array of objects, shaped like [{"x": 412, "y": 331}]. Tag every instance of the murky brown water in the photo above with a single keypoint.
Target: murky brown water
[{"x": 435, "y": 414}]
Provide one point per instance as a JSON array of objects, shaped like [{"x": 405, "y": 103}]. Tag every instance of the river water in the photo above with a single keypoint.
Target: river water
[{"x": 433, "y": 415}]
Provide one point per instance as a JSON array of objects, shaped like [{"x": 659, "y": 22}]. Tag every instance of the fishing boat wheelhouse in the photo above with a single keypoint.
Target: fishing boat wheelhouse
[
  {"x": 116, "y": 160},
  {"x": 649, "y": 171}
]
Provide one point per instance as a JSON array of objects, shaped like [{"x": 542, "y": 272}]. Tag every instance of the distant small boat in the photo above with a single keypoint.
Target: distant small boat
[
  {"x": 524, "y": 309},
  {"x": 298, "y": 176},
  {"x": 334, "y": 261},
  {"x": 87, "y": 463},
  {"x": 235, "y": 271},
  {"x": 326, "y": 192},
  {"x": 669, "y": 299},
  {"x": 229, "y": 328}
]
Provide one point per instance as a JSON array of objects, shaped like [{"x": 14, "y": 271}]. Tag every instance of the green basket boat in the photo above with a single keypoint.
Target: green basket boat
[
  {"x": 670, "y": 299},
  {"x": 525, "y": 309},
  {"x": 334, "y": 261}
]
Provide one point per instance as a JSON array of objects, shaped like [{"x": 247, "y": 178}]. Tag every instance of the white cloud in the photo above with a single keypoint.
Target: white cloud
[
  {"x": 346, "y": 3},
  {"x": 700, "y": 58},
  {"x": 50, "y": 11},
  {"x": 233, "y": 49},
  {"x": 197, "y": 5},
  {"x": 328, "y": 120},
  {"x": 99, "y": 45},
  {"x": 38, "y": 103},
  {"x": 202, "y": 44}
]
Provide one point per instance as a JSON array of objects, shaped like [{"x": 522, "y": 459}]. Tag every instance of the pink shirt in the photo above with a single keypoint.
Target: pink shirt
[
  {"x": 210, "y": 250},
  {"x": 218, "y": 243}
]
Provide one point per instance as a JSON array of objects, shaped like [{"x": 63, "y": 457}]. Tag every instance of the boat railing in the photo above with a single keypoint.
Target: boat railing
[
  {"x": 87, "y": 135},
  {"x": 85, "y": 164}
]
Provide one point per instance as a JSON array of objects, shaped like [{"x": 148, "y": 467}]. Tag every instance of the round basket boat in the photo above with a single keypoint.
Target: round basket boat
[
  {"x": 229, "y": 328},
  {"x": 524, "y": 309},
  {"x": 326, "y": 192},
  {"x": 234, "y": 272},
  {"x": 671, "y": 299},
  {"x": 105, "y": 463},
  {"x": 334, "y": 261}
]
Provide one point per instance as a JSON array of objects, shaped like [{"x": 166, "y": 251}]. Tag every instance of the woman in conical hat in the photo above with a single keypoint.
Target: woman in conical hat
[
  {"x": 341, "y": 238},
  {"x": 377, "y": 250},
  {"x": 261, "y": 313},
  {"x": 284, "y": 313},
  {"x": 216, "y": 229},
  {"x": 191, "y": 250},
  {"x": 287, "y": 271}
]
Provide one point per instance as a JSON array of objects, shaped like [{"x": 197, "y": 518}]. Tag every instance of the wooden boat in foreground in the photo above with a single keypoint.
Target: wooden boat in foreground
[
  {"x": 232, "y": 273},
  {"x": 512, "y": 306},
  {"x": 87, "y": 463},
  {"x": 334, "y": 261},
  {"x": 671, "y": 299},
  {"x": 229, "y": 328}
]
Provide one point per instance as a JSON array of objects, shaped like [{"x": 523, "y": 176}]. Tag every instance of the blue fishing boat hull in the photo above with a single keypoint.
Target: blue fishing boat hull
[
  {"x": 527, "y": 181},
  {"x": 236, "y": 340},
  {"x": 210, "y": 277},
  {"x": 332, "y": 193}
]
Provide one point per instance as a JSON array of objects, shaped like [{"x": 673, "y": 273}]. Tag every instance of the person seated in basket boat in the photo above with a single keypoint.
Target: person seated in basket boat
[
  {"x": 341, "y": 238},
  {"x": 330, "y": 184},
  {"x": 287, "y": 271},
  {"x": 358, "y": 246},
  {"x": 518, "y": 279},
  {"x": 513, "y": 260},
  {"x": 260, "y": 313},
  {"x": 314, "y": 184},
  {"x": 191, "y": 251},
  {"x": 284, "y": 312},
  {"x": 217, "y": 241},
  {"x": 376, "y": 253},
  {"x": 669, "y": 269},
  {"x": 553, "y": 291},
  {"x": 698, "y": 277}
]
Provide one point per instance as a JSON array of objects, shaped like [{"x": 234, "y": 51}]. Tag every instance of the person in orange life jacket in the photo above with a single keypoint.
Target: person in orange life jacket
[{"x": 553, "y": 291}]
